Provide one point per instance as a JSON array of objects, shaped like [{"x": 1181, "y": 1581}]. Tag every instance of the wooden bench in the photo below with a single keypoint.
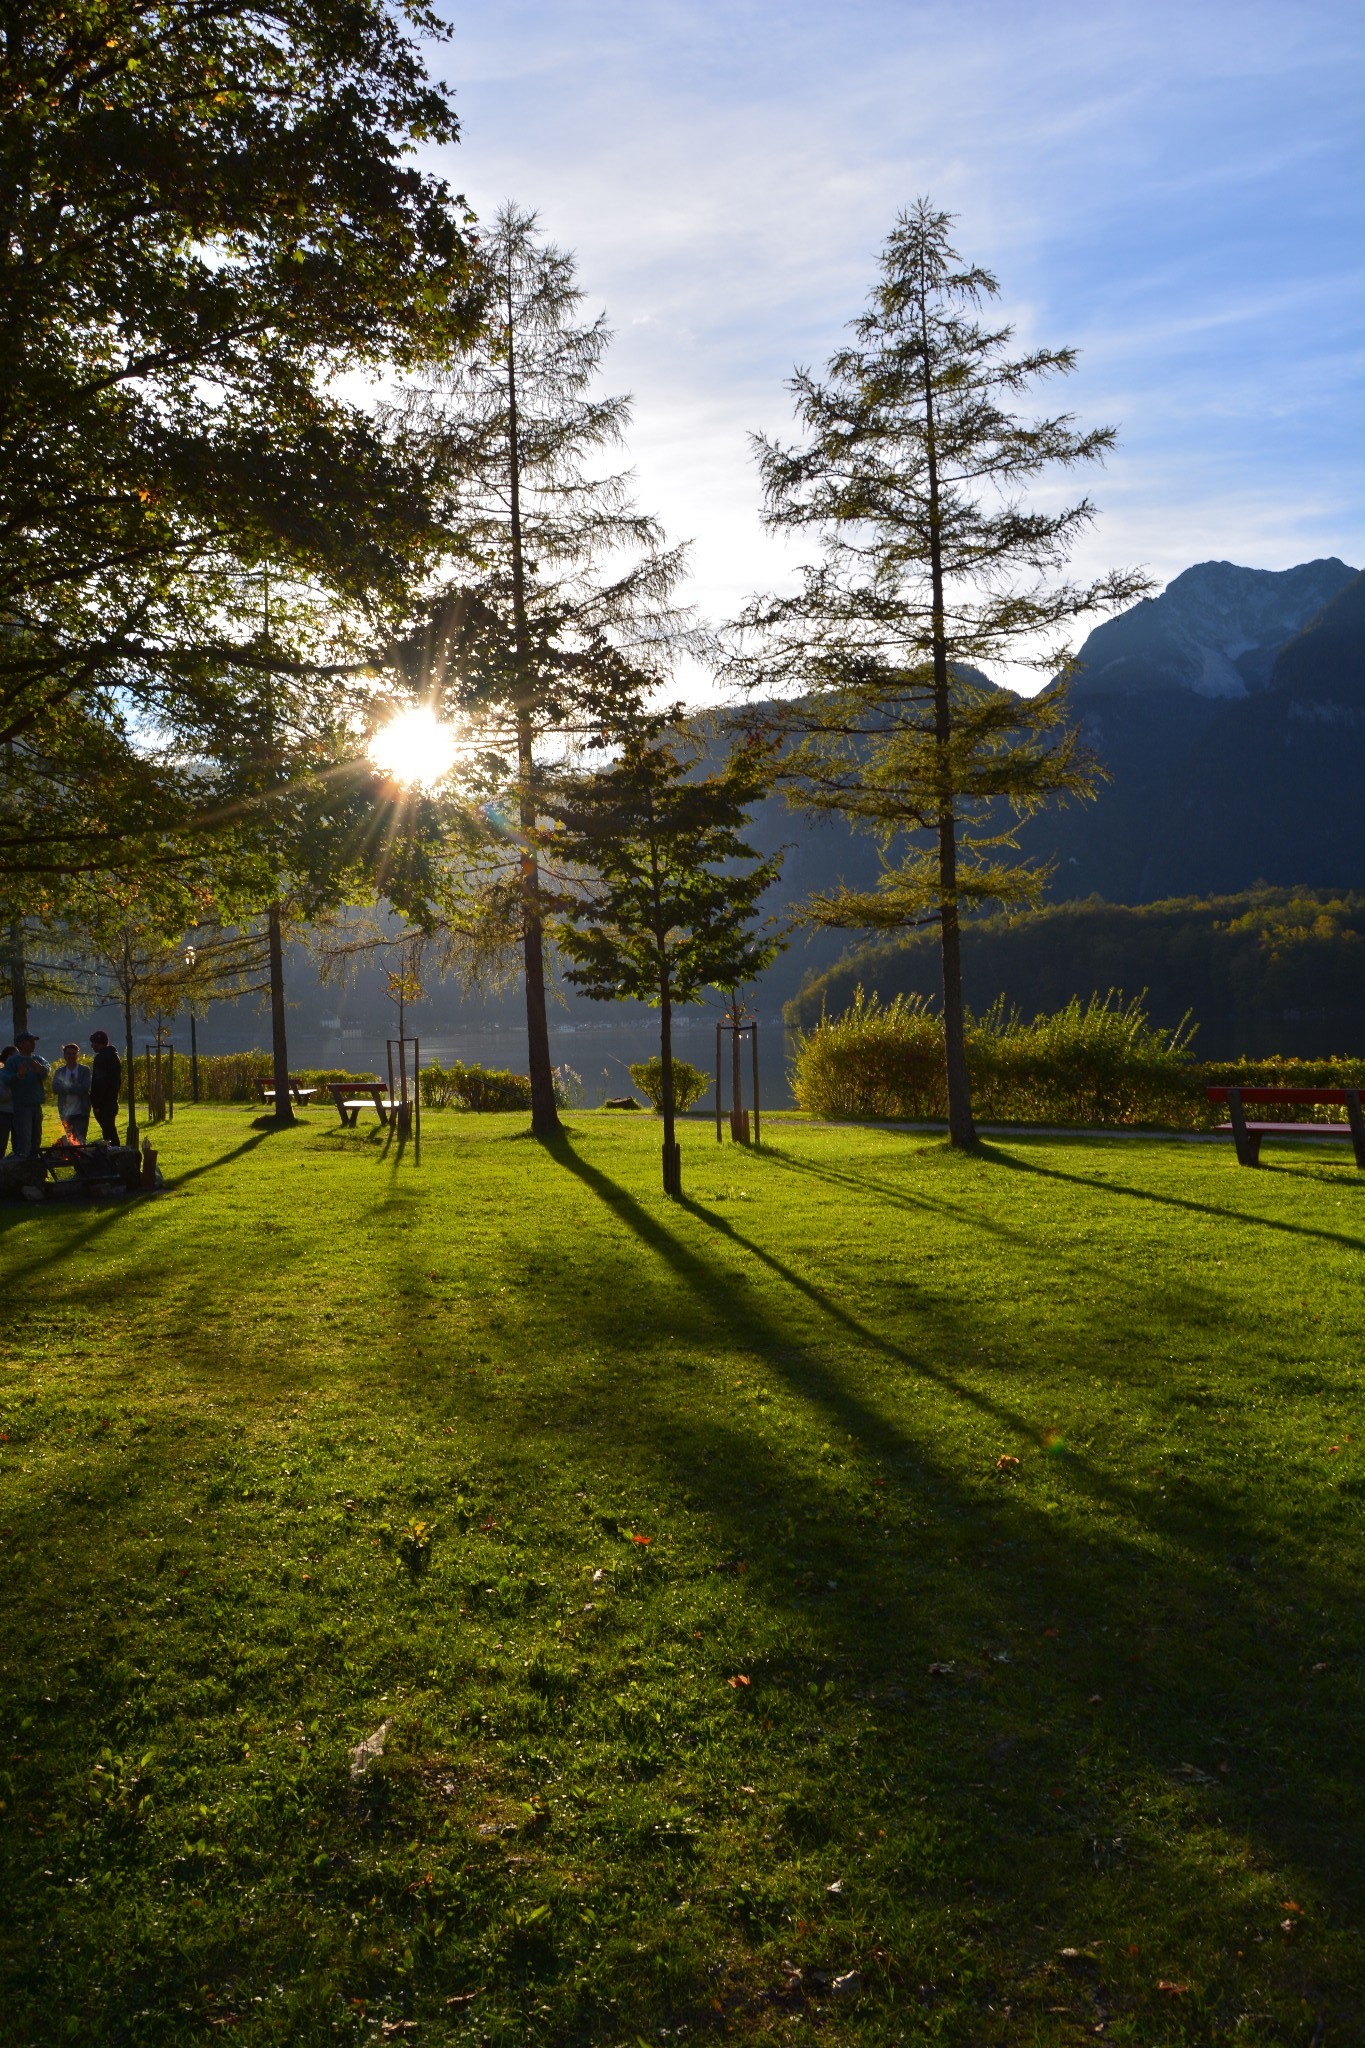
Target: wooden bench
[
  {"x": 351, "y": 1097},
  {"x": 300, "y": 1095},
  {"x": 1247, "y": 1136}
]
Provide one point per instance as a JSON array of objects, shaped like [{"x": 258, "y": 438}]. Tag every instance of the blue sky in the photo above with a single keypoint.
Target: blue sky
[{"x": 1178, "y": 190}]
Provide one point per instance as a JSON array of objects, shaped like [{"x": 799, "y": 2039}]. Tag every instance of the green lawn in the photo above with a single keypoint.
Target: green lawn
[{"x": 937, "y": 1569}]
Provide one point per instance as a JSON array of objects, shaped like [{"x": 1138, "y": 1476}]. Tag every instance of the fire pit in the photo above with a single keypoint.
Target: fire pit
[{"x": 70, "y": 1168}]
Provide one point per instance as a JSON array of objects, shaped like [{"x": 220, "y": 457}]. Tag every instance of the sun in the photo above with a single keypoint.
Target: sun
[{"x": 415, "y": 747}]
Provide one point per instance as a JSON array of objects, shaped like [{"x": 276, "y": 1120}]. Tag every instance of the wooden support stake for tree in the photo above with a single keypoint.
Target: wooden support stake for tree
[{"x": 754, "y": 1029}]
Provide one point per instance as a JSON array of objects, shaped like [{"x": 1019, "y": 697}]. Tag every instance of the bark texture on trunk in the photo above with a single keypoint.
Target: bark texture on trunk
[
  {"x": 279, "y": 1037},
  {"x": 18, "y": 979},
  {"x": 544, "y": 1114},
  {"x": 961, "y": 1128},
  {"x": 130, "y": 1068},
  {"x": 672, "y": 1151}
]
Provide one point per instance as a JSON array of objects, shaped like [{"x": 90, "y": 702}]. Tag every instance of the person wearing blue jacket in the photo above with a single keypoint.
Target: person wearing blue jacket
[{"x": 25, "y": 1075}]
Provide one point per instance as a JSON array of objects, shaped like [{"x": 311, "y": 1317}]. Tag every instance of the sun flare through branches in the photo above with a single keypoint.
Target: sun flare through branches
[{"x": 415, "y": 748}]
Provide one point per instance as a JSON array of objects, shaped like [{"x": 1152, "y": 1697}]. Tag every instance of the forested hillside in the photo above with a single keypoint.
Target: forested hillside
[{"x": 1271, "y": 970}]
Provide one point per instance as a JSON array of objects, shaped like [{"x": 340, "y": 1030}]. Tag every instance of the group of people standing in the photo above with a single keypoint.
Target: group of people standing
[{"x": 80, "y": 1092}]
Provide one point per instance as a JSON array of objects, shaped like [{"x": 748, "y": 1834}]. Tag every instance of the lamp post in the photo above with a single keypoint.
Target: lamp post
[{"x": 190, "y": 958}]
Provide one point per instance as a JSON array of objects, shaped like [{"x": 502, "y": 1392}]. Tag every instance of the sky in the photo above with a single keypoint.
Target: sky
[{"x": 1178, "y": 190}]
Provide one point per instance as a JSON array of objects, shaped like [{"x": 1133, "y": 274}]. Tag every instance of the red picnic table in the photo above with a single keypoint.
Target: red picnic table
[{"x": 1247, "y": 1136}]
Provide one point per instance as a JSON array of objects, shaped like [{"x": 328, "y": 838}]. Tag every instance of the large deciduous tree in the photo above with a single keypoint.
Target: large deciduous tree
[
  {"x": 206, "y": 212},
  {"x": 667, "y": 891},
  {"x": 560, "y": 612},
  {"x": 910, "y": 474}
]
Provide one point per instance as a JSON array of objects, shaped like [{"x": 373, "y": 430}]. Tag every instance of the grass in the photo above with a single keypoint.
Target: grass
[{"x": 939, "y": 1573}]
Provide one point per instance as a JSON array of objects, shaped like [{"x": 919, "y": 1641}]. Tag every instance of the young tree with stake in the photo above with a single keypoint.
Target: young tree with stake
[
  {"x": 661, "y": 911},
  {"x": 910, "y": 476}
]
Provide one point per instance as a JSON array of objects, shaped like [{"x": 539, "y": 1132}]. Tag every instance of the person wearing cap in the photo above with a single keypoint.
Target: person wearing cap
[
  {"x": 106, "y": 1086},
  {"x": 6, "y": 1105},
  {"x": 71, "y": 1086},
  {"x": 25, "y": 1075}
]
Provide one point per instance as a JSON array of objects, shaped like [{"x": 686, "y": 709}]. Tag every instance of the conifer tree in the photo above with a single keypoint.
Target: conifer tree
[
  {"x": 664, "y": 907},
  {"x": 910, "y": 475},
  {"x": 559, "y": 612}
]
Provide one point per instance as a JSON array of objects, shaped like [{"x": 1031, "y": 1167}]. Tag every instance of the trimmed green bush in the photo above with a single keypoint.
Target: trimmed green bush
[
  {"x": 689, "y": 1083},
  {"x": 1100, "y": 1063},
  {"x": 472, "y": 1087}
]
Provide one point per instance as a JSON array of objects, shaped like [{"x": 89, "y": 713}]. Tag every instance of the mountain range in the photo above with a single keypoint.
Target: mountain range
[{"x": 1230, "y": 715}]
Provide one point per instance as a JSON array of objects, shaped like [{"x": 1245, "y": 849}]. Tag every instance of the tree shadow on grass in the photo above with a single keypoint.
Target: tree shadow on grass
[
  {"x": 1018, "y": 1164},
  {"x": 67, "y": 1245},
  {"x": 1001, "y": 1787},
  {"x": 1166, "y": 1571}
]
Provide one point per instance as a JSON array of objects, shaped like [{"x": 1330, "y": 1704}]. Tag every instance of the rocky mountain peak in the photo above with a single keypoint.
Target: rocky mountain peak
[{"x": 1215, "y": 630}]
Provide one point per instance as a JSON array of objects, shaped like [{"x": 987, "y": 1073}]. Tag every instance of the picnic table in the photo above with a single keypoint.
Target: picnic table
[
  {"x": 351, "y": 1097},
  {"x": 1247, "y": 1136},
  {"x": 300, "y": 1095}
]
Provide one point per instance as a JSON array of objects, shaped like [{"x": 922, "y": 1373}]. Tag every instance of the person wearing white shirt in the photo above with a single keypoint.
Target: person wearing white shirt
[{"x": 71, "y": 1086}]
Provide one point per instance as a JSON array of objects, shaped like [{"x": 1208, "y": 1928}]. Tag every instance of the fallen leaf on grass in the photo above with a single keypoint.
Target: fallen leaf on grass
[
  {"x": 1006, "y": 1463},
  {"x": 941, "y": 1670},
  {"x": 1171, "y": 1990},
  {"x": 364, "y": 1753},
  {"x": 463, "y": 1997},
  {"x": 847, "y": 1985},
  {"x": 738, "y": 1680},
  {"x": 640, "y": 1539},
  {"x": 836, "y": 1887},
  {"x": 1288, "y": 1926},
  {"x": 1290, "y": 1906}
]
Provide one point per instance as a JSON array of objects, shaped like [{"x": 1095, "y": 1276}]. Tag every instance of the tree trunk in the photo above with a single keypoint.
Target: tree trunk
[
  {"x": 130, "y": 1068},
  {"x": 672, "y": 1161},
  {"x": 961, "y": 1129},
  {"x": 18, "y": 979},
  {"x": 279, "y": 1038},
  {"x": 544, "y": 1114}
]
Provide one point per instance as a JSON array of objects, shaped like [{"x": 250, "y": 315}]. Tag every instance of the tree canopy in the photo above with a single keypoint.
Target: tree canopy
[{"x": 910, "y": 477}]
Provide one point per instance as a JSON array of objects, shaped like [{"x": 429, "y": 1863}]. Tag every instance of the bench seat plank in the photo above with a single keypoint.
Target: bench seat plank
[{"x": 1291, "y": 1130}]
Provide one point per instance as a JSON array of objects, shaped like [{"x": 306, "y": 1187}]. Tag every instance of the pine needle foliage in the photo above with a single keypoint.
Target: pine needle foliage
[
  {"x": 556, "y": 612},
  {"x": 666, "y": 891},
  {"x": 910, "y": 474}
]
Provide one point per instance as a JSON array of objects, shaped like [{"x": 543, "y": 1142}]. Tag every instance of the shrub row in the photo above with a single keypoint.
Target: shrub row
[
  {"x": 1097, "y": 1063},
  {"x": 239, "y": 1076}
]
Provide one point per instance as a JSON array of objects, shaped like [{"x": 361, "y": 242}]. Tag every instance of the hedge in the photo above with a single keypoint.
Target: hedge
[
  {"x": 240, "y": 1076},
  {"x": 1101, "y": 1063}
]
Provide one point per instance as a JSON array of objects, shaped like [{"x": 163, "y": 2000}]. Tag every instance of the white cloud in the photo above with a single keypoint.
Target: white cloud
[{"x": 1174, "y": 188}]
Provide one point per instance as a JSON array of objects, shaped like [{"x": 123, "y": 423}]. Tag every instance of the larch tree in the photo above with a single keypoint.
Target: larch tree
[
  {"x": 660, "y": 893},
  {"x": 558, "y": 611},
  {"x": 910, "y": 474}
]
